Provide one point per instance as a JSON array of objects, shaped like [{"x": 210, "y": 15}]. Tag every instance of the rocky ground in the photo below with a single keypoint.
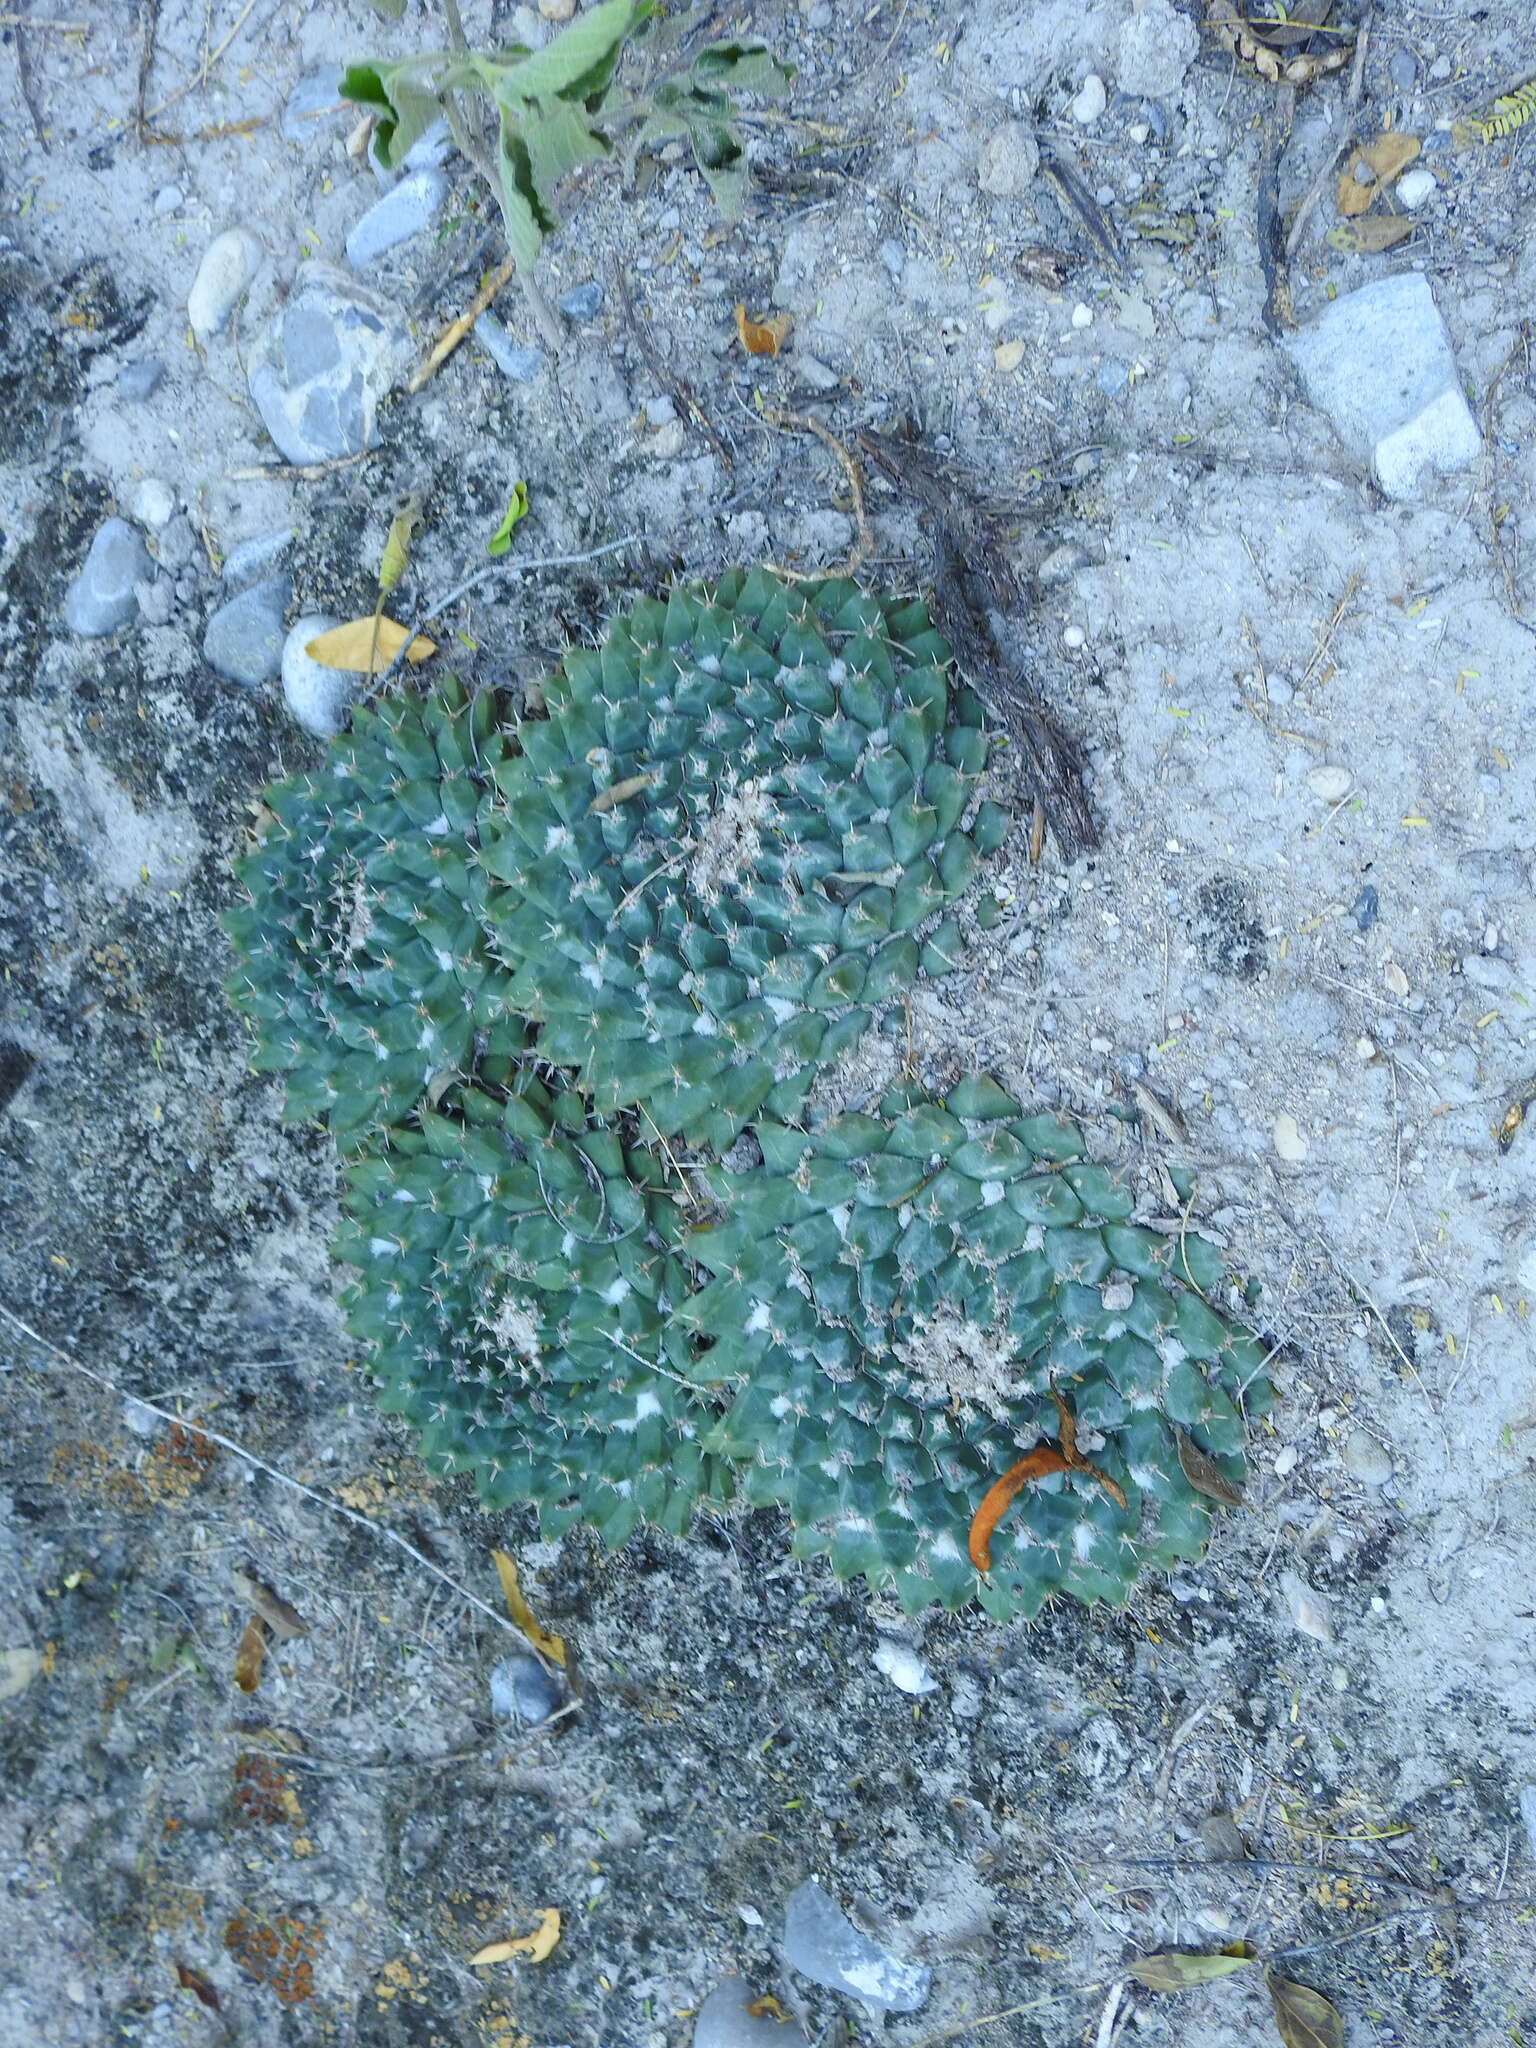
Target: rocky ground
[{"x": 1278, "y": 587}]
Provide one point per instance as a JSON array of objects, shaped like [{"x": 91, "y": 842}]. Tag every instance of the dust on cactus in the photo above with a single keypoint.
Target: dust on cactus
[{"x": 575, "y": 994}]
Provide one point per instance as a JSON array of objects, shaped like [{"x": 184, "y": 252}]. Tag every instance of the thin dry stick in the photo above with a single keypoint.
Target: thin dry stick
[
  {"x": 803, "y": 423},
  {"x": 201, "y": 77},
  {"x": 1346, "y": 598},
  {"x": 1347, "y": 135},
  {"x": 456, "y": 330},
  {"x": 59, "y": 28},
  {"x": 989, "y": 2019},
  {"x": 236, "y": 1450},
  {"x": 307, "y": 472}
]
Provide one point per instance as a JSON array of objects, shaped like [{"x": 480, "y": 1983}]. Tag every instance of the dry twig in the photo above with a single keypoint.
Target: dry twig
[
  {"x": 456, "y": 330},
  {"x": 802, "y": 423}
]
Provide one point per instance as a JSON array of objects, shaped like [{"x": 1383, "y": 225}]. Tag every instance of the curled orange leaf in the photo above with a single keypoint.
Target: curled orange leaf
[{"x": 763, "y": 337}]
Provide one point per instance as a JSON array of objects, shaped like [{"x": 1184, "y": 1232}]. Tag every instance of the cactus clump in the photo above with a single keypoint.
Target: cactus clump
[{"x": 539, "y": 976}]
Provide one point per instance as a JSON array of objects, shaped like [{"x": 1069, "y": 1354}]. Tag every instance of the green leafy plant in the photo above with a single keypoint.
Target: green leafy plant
[
  {"x": 581, "y": 997},
  {"x": 558, "y": 108}
]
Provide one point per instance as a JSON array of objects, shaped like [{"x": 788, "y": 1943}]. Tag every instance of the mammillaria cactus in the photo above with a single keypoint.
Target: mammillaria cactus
[{"x": 540, "y": 976}]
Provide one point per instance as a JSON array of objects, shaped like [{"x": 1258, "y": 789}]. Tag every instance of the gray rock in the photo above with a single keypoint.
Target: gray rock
[
  {"x": 258, "y": 556},
  {"x": 1112, "y": 376},
  {"x": 1157, "y": 47},
  {"x": 822, "y": 1943},
  {"x": 318, "y": 697},
  {"x": 312, "y": 104},
  {"x": 1379, "y": 363},
  {"x": 1528, "y": 1815},
  {"x": 725, "y": 2021},
  {"x": 1486, "y": 971},
  {"x": 169, "y": 199},
  {"x": 156, "y": 600},
  {"x": 243, "y": 641},
  {"x": 814, "y": 374},
  {"x": 1403, "y": 69},
  {"x": 523, "y": 1690},
  {"x": 404, "y": 211},
  {"x": 893, "y": 256},
  {"x": 583, "y": 302},
  {"x": 229, "y": 263},
  {"x": 153, "y": 503},
  {"x": 322, "y": 365},
  {"x": 1009, "y": 161},
  {"x": 518, "y": 363},
  {"x": 1366, "y": 1459},
  {"x": 176, "y": 547},
  {"x": 102, "y": 598},
  {"x": 431, "y": 149},
  {"x": 138, "y": 379}
]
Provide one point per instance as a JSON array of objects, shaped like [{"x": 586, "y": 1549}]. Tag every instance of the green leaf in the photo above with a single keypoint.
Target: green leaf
[
  {"x": 517, "y": 506},
  {"x": 1177, "y": 1969},
  {"x": 719, "y": 155},
  {"x": 523, "y": 213},
  {"x": 578, "y": 63},
  {"x": 406, "y": 97},
  {"x": 560, "y": 139},
  {"x": 743, "y": 67}
]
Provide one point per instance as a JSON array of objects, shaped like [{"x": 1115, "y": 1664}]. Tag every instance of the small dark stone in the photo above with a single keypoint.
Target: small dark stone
[
  {"x": 1365, "y": 908},
  {"x": 15, "y": 1065},
  {"x": 582, "y": 303},
  {"x": 1228, "y": 930}
]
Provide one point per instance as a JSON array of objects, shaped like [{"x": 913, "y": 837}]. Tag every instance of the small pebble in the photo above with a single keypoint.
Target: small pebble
[
  {"x": 557, "y": 10},
  {"x": 102, "y": 596},
  {"x": 1394, "y": 978},
  {"x": 1308, "y": 1610},
  {"x": 1074, "y": 637},
  {"x": 1278, "y": 690},
  {"x": 1061, "y": 564},
  {"x": 583, "y": 302},
  {"x": 726, "y": 2020},
  {"x": 814, "y": 374},
  {"x": 243, "y": 640},
  {"x": 1009, "y": 161},
  {"x": 1366, "y": 1459},
  {"x": 1157, "y": 46},
  {"x": 518, "y": 363},
  {"x": 1365, "y": 1048},
  {"x": 169, "y": 199},
  {"x": 1112, "y": 376},
  {"x": 1403, "y": 69},
  {"x": 1091, "y": 99},
  {"x": 318, "y": 697},
  {"x": 659, "y": 410},
  {"x": 1440, "y": 70},
  {"x": 1487, "y": 972},
  {"x": 177, "y": 545},
  {"x": 523, "y": 1690},
  {"x": 229, "y": 263},
  {"x": 1366, "y": 907},
  {"x": 155, "y": 597},
  {"x": 1082, "y": 316},
  {"x": 139, "y": 379},
  {"x": 669, "y": 441},
  {"x": 1286, "y": 1461},
  {"x": 904, "y": 1668},
  {"x": 1415, "y": 187},
  {"x": 404, "y": 210},
  {"x": 257, "y": 556},
  {"x": 1330, "y": 785},
  {"x": 893, "y": 256},
  {"x": 1289, "y": 1142},
  {"x": 152, "y": 503}
]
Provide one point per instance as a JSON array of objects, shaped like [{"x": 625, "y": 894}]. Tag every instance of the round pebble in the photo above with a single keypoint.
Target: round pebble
[
  {"x": 1009, "y": 161},
  {"x": 1073, "y": 636},
  {"x": 1091, "y": 99},
  {"x": 583, "y": 302},
  {"x": 1366, "y": 1459},
  {"x": 405, "y": 210},
  {"x": 1289, "y": 1142},
  {"x": 102, "y": 596},
  {"x": 152, "y": 503},
  {"x": 229, "y": 263},
  {"x": 1403, "y": 69},
  {"x": 318, "y": 697},
  {"x": 1416, "y": 187},
  {"x": 169, "y": 199},
  {"x": 1330, "y": 784},
  {"x": 1082, "y": 316}
]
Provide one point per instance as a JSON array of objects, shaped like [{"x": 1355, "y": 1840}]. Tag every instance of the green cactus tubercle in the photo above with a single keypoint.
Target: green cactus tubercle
[{"x": 539, "y": 976}]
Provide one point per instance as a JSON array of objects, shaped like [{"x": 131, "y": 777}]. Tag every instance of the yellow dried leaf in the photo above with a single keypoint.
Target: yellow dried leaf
[
  {"x": 1176, "y": 1969},
  {"x": 250, "y": 1652},
  {"x": 1385, "y": 159},
  {"x": 763, "y": 337},
  {"x": 354, "y": 646},
  {"x": 618, "y": 793},
  {"x": 524, "y": 1948},
  {"x": 1370, "y": 237},
  {"x": 540, "y": 1637},
  {"x": 1204, "y": 1474},
  {"x": 1304, "y": 2017},
  {"x": 1008, "y": 355}
]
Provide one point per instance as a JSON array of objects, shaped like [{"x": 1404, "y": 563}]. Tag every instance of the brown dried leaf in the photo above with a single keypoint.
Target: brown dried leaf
[
  {"x": 618, "y": 793},
  {"x": 284, "y": 1621},
  {"x": 353, "y": 646},
  {"x": 1386, "y": 158},
  {"x": 1305, "y": 2018},
  {"x": 195, "y": 1982},
  {"x": 249, "y": 1653},
  {"x": 1371, "y": 236},
  {"x": 540, "y": 1637},
  {"x": 524, "y": 1948},
  {"x": 1203, "y": 1474},
  {"x": 1176, "y": 1969},
  {"x": 763, "y": 337}
]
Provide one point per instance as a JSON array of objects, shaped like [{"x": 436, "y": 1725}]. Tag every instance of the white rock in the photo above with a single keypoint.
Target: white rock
[
  {"x": 1289, "y": 1142},
  {"x": 1157, "y": 47},
  {"x": 669, "y": 440},
  {"x": 404, "y": 211},
  {"x": 1082, "y": 316},
  {"x": 318, "y": 697},
  {"x": 1414, "y": 187},
  {"x": 904, "y": 1668},
  {"x": 1009, "y": 160},
  {"x": 229, "y": 263},
  {"x": 1379, "y": 363},
  {"x": 1329, "y": 784},
  {"x": 1091, "y": 100},
  {"x": 152, "y": 503},
  {"x": 1308, "y": 1610}
]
